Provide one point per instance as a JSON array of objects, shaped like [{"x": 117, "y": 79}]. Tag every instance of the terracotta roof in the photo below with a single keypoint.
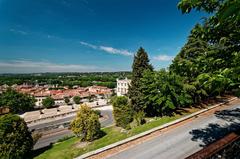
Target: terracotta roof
[{"x": 41, "y": 94}]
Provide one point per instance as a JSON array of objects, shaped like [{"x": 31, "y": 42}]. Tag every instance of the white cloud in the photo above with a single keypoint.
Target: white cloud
[
  {"x": 88, "y": 45},
  {"x": 115, "y": 51},
  {"x": 108, "y": 49},
  {"x": 163, "y": 58},
  {"x": 18, "y": 31},
  {"x": 28, "y": 66}
]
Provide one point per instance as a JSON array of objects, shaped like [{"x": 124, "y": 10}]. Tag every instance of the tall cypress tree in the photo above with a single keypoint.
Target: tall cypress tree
[{"x": 140, "y": 64}]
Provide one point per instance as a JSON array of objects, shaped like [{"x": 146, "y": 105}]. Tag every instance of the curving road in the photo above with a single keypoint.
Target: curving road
[
  {"x": 60, "y": 133},
  {"x": 187, "y": 139}
]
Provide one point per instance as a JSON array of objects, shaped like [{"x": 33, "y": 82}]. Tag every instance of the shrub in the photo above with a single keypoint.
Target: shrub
[
  {"x": 48, "y": 102},
  {"x": 76, "y": 99},
  {"x": 122, "y": 112},
  {"x": 66, "y": 100},
  {"x": 86, "y": 125},
  {"x": 139, "y": 118}
]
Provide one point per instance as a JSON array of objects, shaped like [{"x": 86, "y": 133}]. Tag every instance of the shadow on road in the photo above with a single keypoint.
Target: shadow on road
[
  {"x": 214, "y": 131},
  {"x": 229, "y": 115}
]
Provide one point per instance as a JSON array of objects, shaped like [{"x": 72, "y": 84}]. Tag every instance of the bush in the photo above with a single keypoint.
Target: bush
[
  {"x": 76, "y": 99},
  {"x": 15, "y": 139},
  {"x": 66, "y": 100},
  {"x": 139, "y": 118},
  {"x": 48, "y": 102},
  {"x": 122, "y": 112},
  {"x": 86, "y": 125}
]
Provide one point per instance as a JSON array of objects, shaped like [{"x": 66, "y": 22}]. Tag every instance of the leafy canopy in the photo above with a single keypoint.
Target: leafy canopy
[
  {"x": 17, "y": 102},
  {"x": 15, "y": 139},
  {"x": 48, "y": 102},
  {"x": 86, "y": 125}
]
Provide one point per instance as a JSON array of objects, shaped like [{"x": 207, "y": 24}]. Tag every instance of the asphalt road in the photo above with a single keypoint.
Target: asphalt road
[
  {"x": 60, "y": 133},
  {"x": 187, "y": 139}
]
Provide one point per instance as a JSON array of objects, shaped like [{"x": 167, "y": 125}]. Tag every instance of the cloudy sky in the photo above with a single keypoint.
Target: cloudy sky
[{"x": 89, "y": 35}]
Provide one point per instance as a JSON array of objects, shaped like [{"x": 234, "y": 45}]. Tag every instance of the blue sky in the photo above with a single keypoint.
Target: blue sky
[{"x": 89, "y": 35}]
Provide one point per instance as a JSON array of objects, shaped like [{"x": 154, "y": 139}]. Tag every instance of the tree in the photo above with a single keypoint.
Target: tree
[
  {"x": 163, "y": 92},
  {"x": 221, "y": 32},
  {"x": 66, "y": 100},
  {"x": 15, "y": 139},
  {"x": 191, "y": 57},
  {"x": 76, "y": 99},
  {"x": 122, "y": 111},
  {"x": 140, "y": 64},
  {"x": 86, "y": 125},
  {"x": 17, "y": 102},
  {"x": 48, "y": 102}
]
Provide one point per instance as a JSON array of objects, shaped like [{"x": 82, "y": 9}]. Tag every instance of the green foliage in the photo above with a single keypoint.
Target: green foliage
[
  {"x": 86, "y": 125},
  {"x": 164, "y": 92},
  {"x": 218, "y": 60},
  {"x": 191, "y": 57},
  {"x": 77, "y": 99},
  {"x": 48, "y": 102},
  {"x": 206, "y": 5},
  {"x": 140, "y": 64},
  {"x": 122, "y": 111},
  {"x": 138, "y": 118},
  {"x": 98, "y": 112},
  {"x": 17, "y": 102},
  {"x": 36, "y": 137},
  {"x": 66, "y": 100},
  {"x": 15, "y": 139},
  {"x": 107, "y": 79}
]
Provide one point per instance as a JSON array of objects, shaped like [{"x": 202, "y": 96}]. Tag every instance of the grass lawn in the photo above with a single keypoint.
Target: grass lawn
[{"x": 68, "y": 150}]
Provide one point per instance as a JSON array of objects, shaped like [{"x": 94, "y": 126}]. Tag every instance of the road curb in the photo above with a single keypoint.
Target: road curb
[{"x": 89, "y": 154}]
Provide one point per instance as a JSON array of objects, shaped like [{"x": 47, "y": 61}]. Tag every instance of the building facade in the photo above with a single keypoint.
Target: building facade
[{"x": 122, "y": 86}]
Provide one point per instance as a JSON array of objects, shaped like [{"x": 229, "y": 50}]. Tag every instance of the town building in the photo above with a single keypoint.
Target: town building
[
  {"x": 122, "y": 86},
  {"x": 40, "y": 96}
]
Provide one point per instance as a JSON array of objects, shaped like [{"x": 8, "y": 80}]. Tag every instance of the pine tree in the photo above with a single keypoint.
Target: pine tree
[{"x": 140, "y": 64}]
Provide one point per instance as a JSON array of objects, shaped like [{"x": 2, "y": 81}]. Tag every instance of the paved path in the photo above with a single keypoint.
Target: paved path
[
  {"x": 186, "y": 139},
  {"x": 52, "y": 138}
]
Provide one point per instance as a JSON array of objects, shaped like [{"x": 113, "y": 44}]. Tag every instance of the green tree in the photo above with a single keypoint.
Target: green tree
[
  {"x": 163, "y": 92},
  {"x": 77, "y": 99},
  {"x": 17, "y": 102},
  {"x": 86, "y": 125},
  {"x": 122, "y": 111},
  {"x": 221, "y": 32},
  {"x": 140, "y": 64},
  {"x": 15, "y": 139},
  {"x": 66, "y": 100},
  {"x": 48, "y": 102},
  {"x": 191, "y": 57}
]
